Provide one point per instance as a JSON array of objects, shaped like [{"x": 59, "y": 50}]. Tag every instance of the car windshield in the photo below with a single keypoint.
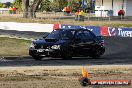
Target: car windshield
[{"x": 61, "y": 34}]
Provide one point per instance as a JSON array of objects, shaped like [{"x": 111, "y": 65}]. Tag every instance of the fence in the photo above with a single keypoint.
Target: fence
[{"x": 60, "y": 16}]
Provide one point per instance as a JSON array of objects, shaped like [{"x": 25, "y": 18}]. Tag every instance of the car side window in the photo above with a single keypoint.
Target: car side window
[
  {"x": 80, "y": 35},
  {"x": 88, "y": 35},
  {"x": 67, "y": 34},
  {"x": 84, "y": 35}
]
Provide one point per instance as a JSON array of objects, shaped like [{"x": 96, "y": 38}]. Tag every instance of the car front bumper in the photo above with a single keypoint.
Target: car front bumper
[{"x": 44, "y": 52}]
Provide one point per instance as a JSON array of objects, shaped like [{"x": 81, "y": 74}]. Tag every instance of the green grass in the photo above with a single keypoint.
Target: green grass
[
  {"x": 69, "y": 21},
  {"x": 14, "y": 47}
]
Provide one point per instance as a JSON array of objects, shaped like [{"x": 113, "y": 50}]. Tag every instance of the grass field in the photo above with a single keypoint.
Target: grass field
[{"x": 14, "y": 47}]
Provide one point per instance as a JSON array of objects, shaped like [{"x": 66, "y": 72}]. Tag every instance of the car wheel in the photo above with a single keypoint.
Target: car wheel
[
  {"x": 37, "y": 58},
  {"x": 96, "y": 54}
]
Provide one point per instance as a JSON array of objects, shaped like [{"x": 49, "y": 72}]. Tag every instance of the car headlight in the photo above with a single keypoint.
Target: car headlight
[
  {"x": 55, "y": 47},
  {"x": 32, "y": 45}
]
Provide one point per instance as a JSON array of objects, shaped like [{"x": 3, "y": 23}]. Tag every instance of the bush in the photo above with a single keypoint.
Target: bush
[{"x": 121, "y": 13}]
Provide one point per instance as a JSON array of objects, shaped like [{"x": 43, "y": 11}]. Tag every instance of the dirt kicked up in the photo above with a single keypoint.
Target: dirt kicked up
[{"x": 60, "y": 76}]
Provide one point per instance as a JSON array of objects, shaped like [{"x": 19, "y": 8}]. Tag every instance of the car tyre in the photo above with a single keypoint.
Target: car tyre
[
  {"x": 37, "y": 58},
  {"x": 96, "y": 54}
]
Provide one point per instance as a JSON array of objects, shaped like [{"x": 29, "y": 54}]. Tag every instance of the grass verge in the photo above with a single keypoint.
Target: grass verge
[
  {"x": 69, "y": 21},
  {"x": 13, "y": 47}
]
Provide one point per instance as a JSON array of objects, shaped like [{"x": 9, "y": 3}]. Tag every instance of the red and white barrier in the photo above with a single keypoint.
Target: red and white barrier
[{"x": 35, "y": 27}]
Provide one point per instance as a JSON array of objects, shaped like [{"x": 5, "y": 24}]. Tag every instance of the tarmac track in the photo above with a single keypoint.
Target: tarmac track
[
  {"x": 23, "y": 34},
  {"x": 118, "y": 52}
]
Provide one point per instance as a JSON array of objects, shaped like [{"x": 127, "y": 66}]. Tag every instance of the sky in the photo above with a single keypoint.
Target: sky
[{"x": 3, "y": 1}]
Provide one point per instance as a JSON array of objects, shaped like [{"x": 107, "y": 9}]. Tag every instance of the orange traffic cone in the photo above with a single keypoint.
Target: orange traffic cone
[{"x": 84, "y": 80}]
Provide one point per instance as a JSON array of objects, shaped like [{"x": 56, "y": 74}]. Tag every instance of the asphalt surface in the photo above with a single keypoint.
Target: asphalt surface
[
  {"x": 118, "y": 52},
  {"x": 23, "y": 34}
]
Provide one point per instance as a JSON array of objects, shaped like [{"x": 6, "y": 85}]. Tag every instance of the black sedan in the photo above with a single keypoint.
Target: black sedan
[{"x": 68, "y": 43}]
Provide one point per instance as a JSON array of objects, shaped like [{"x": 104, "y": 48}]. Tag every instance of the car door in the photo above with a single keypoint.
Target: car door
[
  {"x": 83, "y": 41},
  {"x": 88, "y": 40}
]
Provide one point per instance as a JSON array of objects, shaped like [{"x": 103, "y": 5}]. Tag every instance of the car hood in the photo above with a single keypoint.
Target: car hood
[{"x": 48, "y": 42}]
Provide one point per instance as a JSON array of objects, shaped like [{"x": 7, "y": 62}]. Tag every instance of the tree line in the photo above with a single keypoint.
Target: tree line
[{"x": 30, "y": 7}]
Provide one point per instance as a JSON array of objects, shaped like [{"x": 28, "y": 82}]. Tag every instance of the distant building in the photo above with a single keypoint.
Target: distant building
[{"x": 103, "y": 6}]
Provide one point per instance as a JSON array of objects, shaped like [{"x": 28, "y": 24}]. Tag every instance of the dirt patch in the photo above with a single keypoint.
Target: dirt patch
[{"x": 60, "y": 76}]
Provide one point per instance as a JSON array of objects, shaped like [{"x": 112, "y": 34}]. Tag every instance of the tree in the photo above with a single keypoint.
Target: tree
[
  {"x": 18, "y": 4},
  {"x": 74, "y": 5},
  {"x": 88, "y": 2},
  {"x": 59, "y": 4},
  {"x": 29, "y": 9},
  {"x": 1, "y": 5},
  {"x": 25, "y": 4},
  {"x": 45, "y": 5},
  {"x": 89, "y": 5},
  {"x": 8, "y": 4}
]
